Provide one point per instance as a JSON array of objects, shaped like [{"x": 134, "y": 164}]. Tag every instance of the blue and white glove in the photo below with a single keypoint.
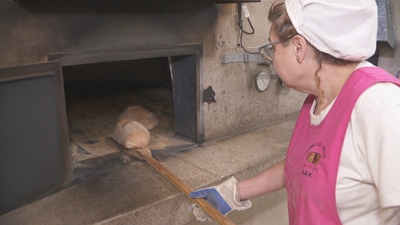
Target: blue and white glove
[{"x": 223, "y": 197}]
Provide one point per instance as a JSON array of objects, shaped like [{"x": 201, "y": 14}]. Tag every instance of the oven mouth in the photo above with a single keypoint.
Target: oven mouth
[
  {"x": 96, "y": 95},
  {"x": 100, "y": 85}
]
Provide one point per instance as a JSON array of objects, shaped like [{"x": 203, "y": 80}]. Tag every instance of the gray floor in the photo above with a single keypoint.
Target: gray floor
[{"x": 134, "y": 193}]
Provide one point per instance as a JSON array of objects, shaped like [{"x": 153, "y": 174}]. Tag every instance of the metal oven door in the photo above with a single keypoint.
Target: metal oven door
[{"x": 34, "y": 146}]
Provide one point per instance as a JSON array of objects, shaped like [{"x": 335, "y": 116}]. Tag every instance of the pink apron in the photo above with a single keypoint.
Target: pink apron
[{"x": 313, "y": 155}]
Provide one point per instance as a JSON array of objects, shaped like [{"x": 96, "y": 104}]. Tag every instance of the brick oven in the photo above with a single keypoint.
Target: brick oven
[
  {"x": 69, "y": 68},
  {"x": 66, "y": 108}
]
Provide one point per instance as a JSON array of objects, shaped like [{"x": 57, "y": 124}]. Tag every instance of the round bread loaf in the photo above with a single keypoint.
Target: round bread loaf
[
  {"x": 131, "y": 134},
  {"x": 140, "y": 114}
]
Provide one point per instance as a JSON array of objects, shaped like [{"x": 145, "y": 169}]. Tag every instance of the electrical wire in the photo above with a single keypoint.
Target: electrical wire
[
  {"x": 249, "y": 33},
  {"x": 241, "y": 43},
  {"x": 251, "y": 25}
]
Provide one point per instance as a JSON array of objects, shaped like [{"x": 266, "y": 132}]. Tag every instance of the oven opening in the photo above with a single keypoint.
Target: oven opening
[{"x": 97, "y": 93}]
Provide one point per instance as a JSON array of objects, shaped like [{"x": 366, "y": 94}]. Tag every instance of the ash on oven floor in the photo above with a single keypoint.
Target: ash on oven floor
[{"x": 92, "y": 119}]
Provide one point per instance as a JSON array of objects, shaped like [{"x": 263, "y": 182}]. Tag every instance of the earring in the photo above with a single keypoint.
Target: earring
[{"x": 298, "y": 60}]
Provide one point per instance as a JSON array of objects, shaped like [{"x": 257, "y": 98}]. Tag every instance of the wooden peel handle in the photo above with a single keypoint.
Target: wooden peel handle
[{"x": 209, "y": 209}]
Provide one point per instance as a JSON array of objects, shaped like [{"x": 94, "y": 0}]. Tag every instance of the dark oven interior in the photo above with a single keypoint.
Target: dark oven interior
[
  {"x": 100, "y": 86},
  {"x": 96, "y": 94}
]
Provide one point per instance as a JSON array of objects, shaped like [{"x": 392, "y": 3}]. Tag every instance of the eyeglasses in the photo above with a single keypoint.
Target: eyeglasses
[{"x": 267, "y": 51}]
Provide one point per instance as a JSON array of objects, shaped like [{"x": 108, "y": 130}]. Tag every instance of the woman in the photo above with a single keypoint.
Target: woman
[
  {"x": 343, "y": 160},
  {"x": 342, "y": 165}
]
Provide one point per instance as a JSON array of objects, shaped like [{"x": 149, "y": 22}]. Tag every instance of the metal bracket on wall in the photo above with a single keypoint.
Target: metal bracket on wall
[
  {"x": 242, "y": 57},
  {"x": 209, "y": 95},
  {"x": 385, "y": 23}
]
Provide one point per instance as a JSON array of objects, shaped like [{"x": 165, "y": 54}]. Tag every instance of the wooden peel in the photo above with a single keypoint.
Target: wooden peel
[{"x": 145, "y": 153}]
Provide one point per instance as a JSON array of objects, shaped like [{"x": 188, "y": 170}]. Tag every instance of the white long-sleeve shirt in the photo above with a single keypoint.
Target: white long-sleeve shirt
[{"x": 368, "y": 181}]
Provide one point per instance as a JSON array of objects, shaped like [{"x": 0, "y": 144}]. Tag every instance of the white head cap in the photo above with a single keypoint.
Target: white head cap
[{"x": 345, "y": 29}]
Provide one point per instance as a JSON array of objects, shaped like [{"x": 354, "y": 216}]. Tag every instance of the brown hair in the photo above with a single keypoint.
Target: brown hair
[
  {"x": 285, "y": 30},
  {"x": 281, "y": 22}
]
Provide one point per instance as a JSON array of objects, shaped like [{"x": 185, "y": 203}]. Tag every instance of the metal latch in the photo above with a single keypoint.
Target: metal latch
[{"x": 209, "y": 95}]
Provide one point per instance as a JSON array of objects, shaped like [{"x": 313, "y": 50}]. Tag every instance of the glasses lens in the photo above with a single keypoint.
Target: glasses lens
[{"x": 267, "y": 53}]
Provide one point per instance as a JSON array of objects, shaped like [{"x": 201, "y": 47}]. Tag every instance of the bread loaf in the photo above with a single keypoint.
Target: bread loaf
[
  {"x": 131, "y": 134},
  {"x": 140, "y": 114}
]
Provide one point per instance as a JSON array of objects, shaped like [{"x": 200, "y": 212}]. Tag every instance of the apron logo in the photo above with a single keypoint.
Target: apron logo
[{"x": 313, "y": 157}]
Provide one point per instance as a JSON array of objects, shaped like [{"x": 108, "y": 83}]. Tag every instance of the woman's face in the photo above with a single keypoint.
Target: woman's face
[
  {"x": 282, "y": 61},
  {"x": 286, "y": 62},
  {"x": 295, "y": 62}
]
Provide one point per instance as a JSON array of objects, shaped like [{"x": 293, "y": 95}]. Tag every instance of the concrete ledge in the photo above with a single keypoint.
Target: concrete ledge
[{"x": 137, "y": 194}]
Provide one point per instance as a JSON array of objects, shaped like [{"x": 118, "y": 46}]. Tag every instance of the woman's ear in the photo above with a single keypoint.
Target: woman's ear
[{"x": 300, "y": 47}]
